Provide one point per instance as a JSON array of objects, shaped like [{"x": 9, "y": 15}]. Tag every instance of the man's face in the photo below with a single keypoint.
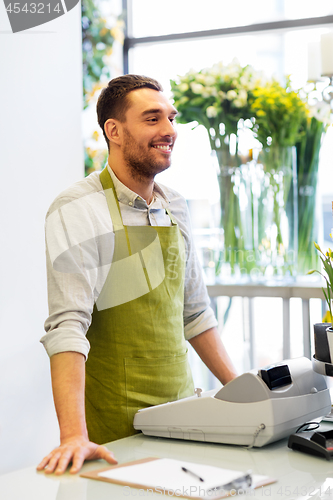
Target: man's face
[{"x": 148, "y": 133}]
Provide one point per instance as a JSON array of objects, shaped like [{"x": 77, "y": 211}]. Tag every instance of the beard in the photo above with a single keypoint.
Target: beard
[{"x": 140, "y": 160}]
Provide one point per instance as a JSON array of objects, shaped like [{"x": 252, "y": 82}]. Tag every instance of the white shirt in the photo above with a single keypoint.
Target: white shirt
[{"x": 79, "y": 249}]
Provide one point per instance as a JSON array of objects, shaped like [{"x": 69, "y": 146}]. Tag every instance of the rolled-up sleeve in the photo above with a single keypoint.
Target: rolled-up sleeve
[{"x": 72, "y": 260}]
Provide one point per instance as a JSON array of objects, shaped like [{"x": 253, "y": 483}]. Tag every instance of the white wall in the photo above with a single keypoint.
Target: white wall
[{"x": 40, "y": 154}]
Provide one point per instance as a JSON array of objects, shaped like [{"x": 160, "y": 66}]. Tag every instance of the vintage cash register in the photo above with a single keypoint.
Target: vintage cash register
[{"x": 254, "y": 409}]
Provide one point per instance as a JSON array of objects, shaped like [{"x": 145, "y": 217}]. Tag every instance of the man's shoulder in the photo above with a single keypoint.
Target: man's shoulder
[{"x": 80, "y": 189}]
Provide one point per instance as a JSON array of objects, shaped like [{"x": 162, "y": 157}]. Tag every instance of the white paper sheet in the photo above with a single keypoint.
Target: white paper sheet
[{"x": 167, "y": 475}]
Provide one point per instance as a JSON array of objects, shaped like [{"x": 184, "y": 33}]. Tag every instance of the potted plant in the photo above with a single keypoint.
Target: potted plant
[{"x": 323, "y": 332}]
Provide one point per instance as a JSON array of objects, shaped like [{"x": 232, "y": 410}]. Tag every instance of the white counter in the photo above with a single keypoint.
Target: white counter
[{"x": 299, "y": 476}]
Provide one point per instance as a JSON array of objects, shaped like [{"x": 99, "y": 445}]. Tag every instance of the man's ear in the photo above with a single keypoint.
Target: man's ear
[{"x": 112, "y": 130}]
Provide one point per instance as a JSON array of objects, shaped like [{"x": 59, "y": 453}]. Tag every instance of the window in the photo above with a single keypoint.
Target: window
[{"x": 166, "y": 40}]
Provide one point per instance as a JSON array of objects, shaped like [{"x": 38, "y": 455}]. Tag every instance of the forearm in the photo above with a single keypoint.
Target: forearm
[
  {"x": 68, "y": 383},
  {"x": 211, "y": 350}
]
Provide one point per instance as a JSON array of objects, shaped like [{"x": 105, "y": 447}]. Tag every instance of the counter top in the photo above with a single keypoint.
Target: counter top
[{"x": 299, "y": 476}]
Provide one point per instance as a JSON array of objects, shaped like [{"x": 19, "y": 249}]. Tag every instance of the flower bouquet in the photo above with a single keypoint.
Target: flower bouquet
[
  {"x": 219, "y": 98},
  {"x": 235, "y": 103},
  {"x": 279, "y": 113}
]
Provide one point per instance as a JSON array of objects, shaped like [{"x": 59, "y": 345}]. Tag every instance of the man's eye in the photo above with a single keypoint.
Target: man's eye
[{"x": 152, "y": 119}]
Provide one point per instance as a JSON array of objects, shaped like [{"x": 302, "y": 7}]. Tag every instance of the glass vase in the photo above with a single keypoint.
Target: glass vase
[
  {"x": 237, "y": 256},
  {"x": 308, "y": 149},
  {"x": 277, "y": 213},
  {"x": 235, "y": 250}
]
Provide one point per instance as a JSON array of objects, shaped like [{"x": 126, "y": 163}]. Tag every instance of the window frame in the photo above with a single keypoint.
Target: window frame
[{"x": 285, "y": 25}]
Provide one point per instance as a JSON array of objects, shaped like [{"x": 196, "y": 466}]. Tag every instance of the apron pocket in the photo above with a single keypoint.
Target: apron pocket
[{"x": 153, "y": 381}]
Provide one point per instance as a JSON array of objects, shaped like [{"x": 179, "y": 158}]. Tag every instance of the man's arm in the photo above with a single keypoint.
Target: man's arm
[
  {"x": 68, "y": 383},
  {"x": 211, "y": 350}
]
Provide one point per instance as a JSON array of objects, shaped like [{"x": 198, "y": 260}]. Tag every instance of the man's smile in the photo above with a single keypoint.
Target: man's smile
[{"x": 166, "y": 148}]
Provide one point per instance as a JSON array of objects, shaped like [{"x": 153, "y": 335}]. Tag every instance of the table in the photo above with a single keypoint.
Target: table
[{"x": 299, "y": 476}]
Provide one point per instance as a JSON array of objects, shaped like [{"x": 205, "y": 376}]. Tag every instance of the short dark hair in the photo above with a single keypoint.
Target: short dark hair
[{"x": 113, "y": 101}]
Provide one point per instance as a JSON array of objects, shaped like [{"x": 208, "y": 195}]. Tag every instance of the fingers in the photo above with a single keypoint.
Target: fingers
[
  {"x": 57, "y": 461},
  {"x": 62, "y": 463},
  {"x": 49, "y": 463},
  {"x": 103, "y": 452},
  {"x": 43, "y": 463},
  {"x": 78, "y": 459},
  {"x": 76, "y": 451}
]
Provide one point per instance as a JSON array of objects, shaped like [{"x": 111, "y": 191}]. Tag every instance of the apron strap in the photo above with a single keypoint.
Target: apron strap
[
  {"x": 113, "y": 204},
  {"x": 173, "y": 221}
]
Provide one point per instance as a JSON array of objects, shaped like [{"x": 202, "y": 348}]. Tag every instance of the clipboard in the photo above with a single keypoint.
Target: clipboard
[{"x": 168, "y": 489}]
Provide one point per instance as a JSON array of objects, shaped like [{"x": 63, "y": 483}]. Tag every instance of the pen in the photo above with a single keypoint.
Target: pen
[{"x": 192, "y": 474}]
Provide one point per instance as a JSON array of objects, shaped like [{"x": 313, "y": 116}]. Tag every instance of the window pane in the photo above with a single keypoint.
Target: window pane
[
  {"x": 275, "y": 53},
  {"x": 151, "y": 17}
]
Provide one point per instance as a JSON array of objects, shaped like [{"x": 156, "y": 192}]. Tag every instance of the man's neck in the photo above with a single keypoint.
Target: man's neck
[{"x": 140, "y": 185}]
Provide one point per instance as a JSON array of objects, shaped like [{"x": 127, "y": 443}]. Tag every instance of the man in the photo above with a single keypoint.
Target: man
[{"x": 123, "y": 281}]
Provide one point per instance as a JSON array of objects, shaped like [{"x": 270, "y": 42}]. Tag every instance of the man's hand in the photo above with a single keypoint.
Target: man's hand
[
  {"x": 68, "y": 375},
  {"x": 75, "y": 450}
]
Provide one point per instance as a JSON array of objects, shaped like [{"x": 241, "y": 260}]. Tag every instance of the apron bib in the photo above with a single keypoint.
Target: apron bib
[{"x": 138, "y": 354}]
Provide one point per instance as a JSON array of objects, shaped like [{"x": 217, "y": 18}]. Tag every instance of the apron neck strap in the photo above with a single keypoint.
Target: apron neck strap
[
  {"x": 173, "y": 221},
  {"x": 113, "y": 203},
  {"x": 111, "y": 198}
]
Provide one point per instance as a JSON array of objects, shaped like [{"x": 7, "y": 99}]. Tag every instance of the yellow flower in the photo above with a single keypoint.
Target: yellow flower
[
  {"x": 317, "y": 246},
  {"x": 327, "y": 317},
  {"x": 95, "y": 135},
  {"x": 281, "y": 249},
  {"x": 92, "y": 152},
  {"x": 118, "y": 34},
  {"x": 96, "y": 87}
]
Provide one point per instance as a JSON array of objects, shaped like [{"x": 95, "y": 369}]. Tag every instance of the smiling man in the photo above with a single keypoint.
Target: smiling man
[{"x": 124, "y": 283}]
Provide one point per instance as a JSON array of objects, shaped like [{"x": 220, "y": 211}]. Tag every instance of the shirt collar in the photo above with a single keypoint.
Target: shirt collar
[{"x": 129, "y": 197}]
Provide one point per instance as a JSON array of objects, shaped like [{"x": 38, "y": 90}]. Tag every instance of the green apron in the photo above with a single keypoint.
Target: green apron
[{"x": 138, "y": 354}]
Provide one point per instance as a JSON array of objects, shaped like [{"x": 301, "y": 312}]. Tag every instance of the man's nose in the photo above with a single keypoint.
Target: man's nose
[{"x": 168, "y": 129}]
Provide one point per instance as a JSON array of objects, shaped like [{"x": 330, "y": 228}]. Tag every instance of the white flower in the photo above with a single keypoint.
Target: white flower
[
  {"x": 201, "y": 79},
  {"x": 244, "y": 81},
  {"x": 231, "y": 94},
  {"x": 209, "y": 91},
  {"x": 238, "y": 103},
  {"x": 321, "y": 111},
  {"x": 211, "y": 112},
  {"x": 209, "y": 80},
  {"x": 242, "y": 98},
  {"x": 197, "y": 88},
  {"x": 183, "y": 87}
]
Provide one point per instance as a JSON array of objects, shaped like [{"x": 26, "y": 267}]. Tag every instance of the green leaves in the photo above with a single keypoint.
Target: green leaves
[
  {"x": 326, "y": 260},
  {"x": 97, "y": 41}
]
